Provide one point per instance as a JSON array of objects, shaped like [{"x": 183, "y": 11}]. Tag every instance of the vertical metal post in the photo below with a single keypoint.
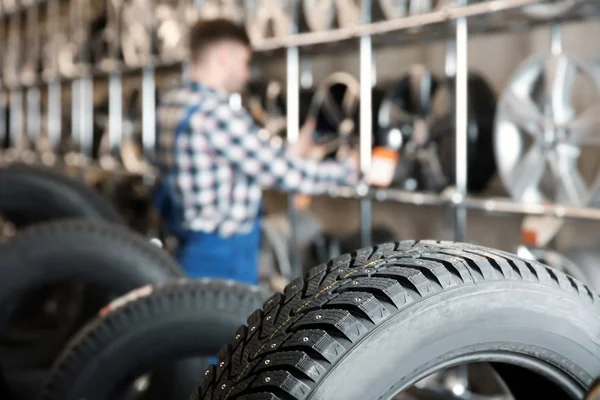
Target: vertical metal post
[
  {"x": 450, "y": 74},
  {"x": 366, "y": 124},
  {"x": 115, "y": 114},
  {"x": 461, "y": 106},
  {"x": 461, "y": 135},
  {"x": 54, "y": 114},
  {"x": 85, "y": 84},
  {"x": 54, "y": 99},
  {"x": 87, "y": 114},
  {"x": 148, "y": 112},
  {"x": 29, "y": 77},
  {"x": 33, "y": 116},
  {"x": 76, "y": 131},
  {"x": 82, "y": 87},
  {"x": 293, "y": 132},
  {"x": 16, "y": 119},
  {"x": 11, "y": 79},
  {"x": 556, "y": 44},
  {"x": 306, "y": 72}
]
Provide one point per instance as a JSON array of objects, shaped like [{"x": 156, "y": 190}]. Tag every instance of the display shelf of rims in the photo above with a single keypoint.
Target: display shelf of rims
[{"x": 429, "y": 140}]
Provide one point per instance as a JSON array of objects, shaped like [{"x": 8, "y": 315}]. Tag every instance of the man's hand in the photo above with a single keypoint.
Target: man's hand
[{"x": 303, "y": 146}]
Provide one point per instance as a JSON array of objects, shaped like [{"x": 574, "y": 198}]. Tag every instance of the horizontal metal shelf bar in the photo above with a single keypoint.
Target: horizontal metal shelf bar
[
  {"x": 493, "y": 205},
  {"x": 387, "y": 26},
  {"x": 512, "y": 207},
  {"x": 447, "y": 198}
]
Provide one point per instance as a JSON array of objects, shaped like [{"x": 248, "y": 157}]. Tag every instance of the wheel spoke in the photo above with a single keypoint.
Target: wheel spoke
[
  {"x": 528, "y": 173},
  {"x": 571, "y": 188},
  {"x": 523, "y": 112},
  {"x": 559, "y": 77},
  {"x": 585, "y": 130}
]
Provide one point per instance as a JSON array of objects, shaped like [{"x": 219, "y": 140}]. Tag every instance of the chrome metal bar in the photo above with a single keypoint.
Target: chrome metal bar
[
  {"x": 450, "y": 59},
  {"x": 556, "y": 44},
  {"x": 54, "y": 114},
  {"x": 76, "y": 100},
  {"x": 16, "y": 119},
  {"x": 461, "y": 141},
  {"x": 87, "y": 115},
  {"x": 461, "y": 104},
  {"x": 382, "y": 27},
  {"x": 306, "y": 72},
  {"x": 406, "y": 197},
  {"x": 53, "y": 27},
  {"x": 293, "y": 132},
  {"x": 293, "y": 95},
  {"x": 50, "y": 73},
  {"x": 34, "y": 124},
  {"x": 495, "y": 205},
  {"x": 148, "y": 112},
  {"x": 115, "y": 114},
  {"x": 366, "y": 121},
  {"x": 512, "y": 207}
]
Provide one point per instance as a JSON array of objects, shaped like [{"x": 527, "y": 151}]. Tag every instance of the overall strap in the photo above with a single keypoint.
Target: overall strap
[{"x": 163, "y": 193}]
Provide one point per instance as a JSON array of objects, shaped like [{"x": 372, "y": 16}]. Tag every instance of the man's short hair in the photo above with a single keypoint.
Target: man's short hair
[{"x": 205, "y": 33}]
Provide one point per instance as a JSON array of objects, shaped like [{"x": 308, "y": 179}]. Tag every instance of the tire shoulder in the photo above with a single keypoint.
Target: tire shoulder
[
  {"x": 45, "y": 235},
  {"x": 142, "y": 313},
  {"x": 304, "y": 331}
]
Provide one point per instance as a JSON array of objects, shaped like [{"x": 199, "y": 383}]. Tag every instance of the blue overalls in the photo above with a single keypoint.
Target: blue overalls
[{"x": 207, "y": 255}]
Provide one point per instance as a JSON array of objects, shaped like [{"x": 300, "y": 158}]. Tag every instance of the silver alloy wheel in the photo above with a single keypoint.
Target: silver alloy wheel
[{"x": 547, "y": 170}]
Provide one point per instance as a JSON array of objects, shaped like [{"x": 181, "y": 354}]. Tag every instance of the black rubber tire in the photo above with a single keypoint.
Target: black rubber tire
[
  {"x": 379, "y": 319},
  {"x": 31, "y": 194},
  {"x": 110, "y": 258},
  {"x": 148, "y": 328}
]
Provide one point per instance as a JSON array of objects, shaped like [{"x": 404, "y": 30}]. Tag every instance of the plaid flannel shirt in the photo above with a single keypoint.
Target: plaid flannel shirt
[{"x": 220, "y": 163}]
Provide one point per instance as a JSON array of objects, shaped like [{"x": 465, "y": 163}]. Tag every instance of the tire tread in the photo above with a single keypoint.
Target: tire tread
[
  {"x": 300, "y": 334},
  {"x": 178, "y": 296}
]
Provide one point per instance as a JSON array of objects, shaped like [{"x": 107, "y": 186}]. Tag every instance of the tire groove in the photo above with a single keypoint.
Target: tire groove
[{"x": 356, "y": 292}]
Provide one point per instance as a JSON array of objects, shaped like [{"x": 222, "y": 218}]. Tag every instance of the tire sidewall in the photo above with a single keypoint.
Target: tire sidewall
[{"x": 516, "y": 317}]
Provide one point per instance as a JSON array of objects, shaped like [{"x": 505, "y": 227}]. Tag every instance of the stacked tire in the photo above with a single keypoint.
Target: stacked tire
[{"x": 85, "y": 278}]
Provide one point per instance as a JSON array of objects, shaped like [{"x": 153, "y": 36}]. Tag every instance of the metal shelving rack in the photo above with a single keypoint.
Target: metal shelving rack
[{"x": 456, "y": 16}]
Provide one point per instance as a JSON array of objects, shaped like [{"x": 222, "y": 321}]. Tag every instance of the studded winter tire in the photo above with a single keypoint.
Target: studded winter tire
[
  {"x": 152, "y": 327},
  {"x": 369, "y": 324}
]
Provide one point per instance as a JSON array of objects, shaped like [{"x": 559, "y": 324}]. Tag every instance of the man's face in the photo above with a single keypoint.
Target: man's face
[{"x": 238, "y": 67}]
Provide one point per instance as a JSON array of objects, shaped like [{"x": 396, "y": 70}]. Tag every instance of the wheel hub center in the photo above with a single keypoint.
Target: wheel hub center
[{"x": 552, "y": 135}]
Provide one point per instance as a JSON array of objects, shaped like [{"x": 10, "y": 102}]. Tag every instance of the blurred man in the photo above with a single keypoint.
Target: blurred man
[{"x": 214, "y": 164}]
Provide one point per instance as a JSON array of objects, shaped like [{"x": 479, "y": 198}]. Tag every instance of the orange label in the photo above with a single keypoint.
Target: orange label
[
  {"x": 383, "y": 167},
  {"x": 529, "y": 237}
]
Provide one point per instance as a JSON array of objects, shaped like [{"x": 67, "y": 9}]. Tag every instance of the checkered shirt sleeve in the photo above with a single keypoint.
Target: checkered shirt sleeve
[{"x": 234, "y": 136}]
